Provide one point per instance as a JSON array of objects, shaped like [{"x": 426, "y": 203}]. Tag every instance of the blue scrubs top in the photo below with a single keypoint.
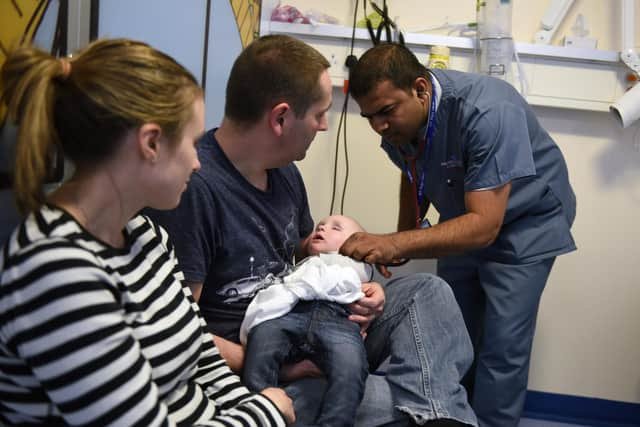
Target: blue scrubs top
[{"x": 485, "y": 136}]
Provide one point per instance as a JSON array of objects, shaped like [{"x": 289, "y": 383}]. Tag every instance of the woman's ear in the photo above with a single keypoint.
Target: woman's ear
[
  {"x": 148, "y": 141},
  {"x": 278, "y": 117}
]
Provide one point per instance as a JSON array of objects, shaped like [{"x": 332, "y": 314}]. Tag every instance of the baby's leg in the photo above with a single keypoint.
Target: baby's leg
[{"x": 340, "y": 353}]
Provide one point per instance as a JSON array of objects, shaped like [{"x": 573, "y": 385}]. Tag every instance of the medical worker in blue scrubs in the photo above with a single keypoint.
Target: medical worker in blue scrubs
[{"x": 472, "y": 147}]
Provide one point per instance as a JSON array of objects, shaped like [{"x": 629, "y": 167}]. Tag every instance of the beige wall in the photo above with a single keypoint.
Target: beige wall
[{"x": 588, "y": 339}]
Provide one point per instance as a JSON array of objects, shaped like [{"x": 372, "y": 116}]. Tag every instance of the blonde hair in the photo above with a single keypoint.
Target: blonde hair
[{"x": 86, "y": 104}]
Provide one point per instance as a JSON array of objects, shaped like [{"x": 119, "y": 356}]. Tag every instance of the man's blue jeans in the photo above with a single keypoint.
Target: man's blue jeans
[
  {"x": 321, "y": 332},
  {"x": 422, "y": 336}
]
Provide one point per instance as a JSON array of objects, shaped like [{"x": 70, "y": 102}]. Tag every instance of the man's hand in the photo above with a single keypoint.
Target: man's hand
[
  {"x": 303, "y": 369},
  {"x": 378, "y": 249},
  {"x": 367, "y": 308},
  {"x": 232, "y": 353}
]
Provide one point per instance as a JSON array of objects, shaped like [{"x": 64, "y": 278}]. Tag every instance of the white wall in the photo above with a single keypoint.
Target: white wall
[{"x": 588, "y": 338}]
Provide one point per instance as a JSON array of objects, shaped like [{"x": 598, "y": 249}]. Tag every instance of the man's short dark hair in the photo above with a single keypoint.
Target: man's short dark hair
[
  {"x": 274, "y": 69},
  {"x": 387, "y": 61}
]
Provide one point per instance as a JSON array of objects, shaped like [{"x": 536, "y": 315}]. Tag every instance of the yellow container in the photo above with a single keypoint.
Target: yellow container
[{"x": 439, "y": 57}]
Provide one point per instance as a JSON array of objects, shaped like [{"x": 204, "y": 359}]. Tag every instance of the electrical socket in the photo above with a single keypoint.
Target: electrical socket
[
  {"x": 336, "y": 55},
  {"x": 333, "y": 59}
]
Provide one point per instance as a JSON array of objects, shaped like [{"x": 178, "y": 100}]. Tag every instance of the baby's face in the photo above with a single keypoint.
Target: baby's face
[{"x": 330, "y": 234}]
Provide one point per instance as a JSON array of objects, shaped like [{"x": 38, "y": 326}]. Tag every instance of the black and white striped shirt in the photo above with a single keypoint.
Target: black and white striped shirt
[{"x": 94, "y": 335}]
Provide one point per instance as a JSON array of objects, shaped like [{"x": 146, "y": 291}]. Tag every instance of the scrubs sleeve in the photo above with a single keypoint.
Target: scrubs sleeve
[{"x": 497, "y": 148}]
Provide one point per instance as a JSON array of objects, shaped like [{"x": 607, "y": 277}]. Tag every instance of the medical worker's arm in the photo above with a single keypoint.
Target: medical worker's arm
[
  {"x": 406, "y": 214},
  {"x": 475, "y": 229}
]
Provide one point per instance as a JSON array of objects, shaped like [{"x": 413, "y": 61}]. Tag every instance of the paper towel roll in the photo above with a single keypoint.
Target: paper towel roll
[{"x": 627, "y": 108}]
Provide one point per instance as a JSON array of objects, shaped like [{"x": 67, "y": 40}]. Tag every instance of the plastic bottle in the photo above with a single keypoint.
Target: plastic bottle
[
  {"x": 438, "y": 57},
  {"x": 495, "y": 41}
]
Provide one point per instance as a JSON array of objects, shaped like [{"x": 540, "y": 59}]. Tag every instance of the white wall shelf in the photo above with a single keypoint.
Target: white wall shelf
[
  {"x": 453, "y": 42},
  {"x": 557, "y": 76}
]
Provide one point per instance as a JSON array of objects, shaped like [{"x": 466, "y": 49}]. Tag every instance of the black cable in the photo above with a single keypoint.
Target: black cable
[
  {"x": 207, "y": 24},
  {"x": 335, "y": 166},
  {"x": 353, "y": 29},
  {"x": 343, "y": 119},
  {"x": 94, "y": 21},
  {"x": 346, "y": 161},
  {"x": 59, "y": 46},
  {"x": 32, "y": 20}
]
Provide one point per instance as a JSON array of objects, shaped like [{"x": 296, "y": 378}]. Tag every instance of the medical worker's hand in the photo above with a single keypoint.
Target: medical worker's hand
[
  {"x": 367, "y": 308},
  {"x": 296, "y": 371},
  {"x": 378, "y": 249},
  {"x": 282, "y": 400}
]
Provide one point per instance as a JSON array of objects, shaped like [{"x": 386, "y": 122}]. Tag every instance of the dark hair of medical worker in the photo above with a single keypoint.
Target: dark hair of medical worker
[{"x": 388, "y": 61}]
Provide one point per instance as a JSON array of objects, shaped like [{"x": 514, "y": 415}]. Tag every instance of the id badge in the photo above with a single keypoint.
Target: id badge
[{"x": 425, "y": 223}]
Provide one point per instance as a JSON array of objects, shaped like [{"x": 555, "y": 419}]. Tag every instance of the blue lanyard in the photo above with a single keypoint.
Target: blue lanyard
[{"x": 423, "y": 150}]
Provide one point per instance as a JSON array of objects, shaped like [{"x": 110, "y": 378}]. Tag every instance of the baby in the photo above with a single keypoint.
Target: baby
[{"x": 304, "y": 318}]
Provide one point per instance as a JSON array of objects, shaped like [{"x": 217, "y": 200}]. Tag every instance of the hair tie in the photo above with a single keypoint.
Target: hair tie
[{"x": 66, "y": 67}]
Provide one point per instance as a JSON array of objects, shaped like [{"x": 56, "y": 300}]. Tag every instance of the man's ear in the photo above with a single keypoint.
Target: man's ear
[
  {"x": 420, "y": 85},
  {"x": 278, "y": 117},
  {"x": 148, "y": 140}
]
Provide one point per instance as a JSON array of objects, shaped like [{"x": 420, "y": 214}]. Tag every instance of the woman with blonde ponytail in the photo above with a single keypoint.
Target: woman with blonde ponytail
[{"x": 95, "y": 325}]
